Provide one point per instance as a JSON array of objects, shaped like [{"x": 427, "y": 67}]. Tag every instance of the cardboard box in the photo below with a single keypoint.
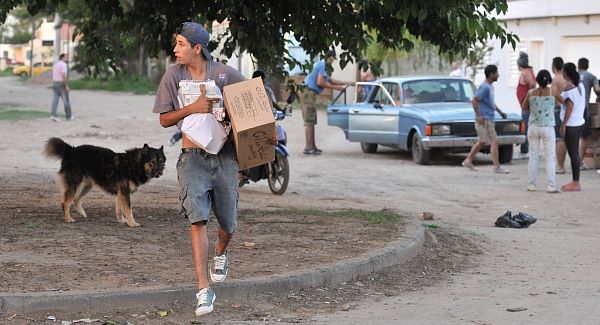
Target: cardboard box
[
  {"x": 591, "y": 158},
  {"x": 249, "y": 109}
]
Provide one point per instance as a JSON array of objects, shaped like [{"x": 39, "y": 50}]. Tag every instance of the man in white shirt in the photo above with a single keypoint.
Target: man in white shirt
[
  {"x": 60, "y": 86},
  {"x": 456, "y": 70}
]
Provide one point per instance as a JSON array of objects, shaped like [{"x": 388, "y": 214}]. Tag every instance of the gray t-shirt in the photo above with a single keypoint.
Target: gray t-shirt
[
  {"x": 588, "y": 80},
  {"x": 166, "y": 95}
]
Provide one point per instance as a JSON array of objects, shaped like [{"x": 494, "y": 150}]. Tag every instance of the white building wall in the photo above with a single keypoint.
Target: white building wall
[{"x": 547, "y": 28}]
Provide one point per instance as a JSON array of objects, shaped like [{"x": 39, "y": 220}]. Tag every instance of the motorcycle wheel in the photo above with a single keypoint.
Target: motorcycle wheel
[{"x": 279, "y": 175}]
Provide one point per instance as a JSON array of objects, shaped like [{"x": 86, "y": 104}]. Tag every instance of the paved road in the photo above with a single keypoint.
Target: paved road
[{"x": 551, "y": 268}]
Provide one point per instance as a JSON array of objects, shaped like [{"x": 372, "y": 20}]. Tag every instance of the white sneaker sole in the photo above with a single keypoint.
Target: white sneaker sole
[{"x": 216, "y": 278}]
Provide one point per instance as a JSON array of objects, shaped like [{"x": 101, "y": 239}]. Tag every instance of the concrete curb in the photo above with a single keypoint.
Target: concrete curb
[{"x": 395, "y": 252}]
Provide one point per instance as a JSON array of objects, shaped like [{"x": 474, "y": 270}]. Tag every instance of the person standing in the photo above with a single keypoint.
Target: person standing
[
  {"x": 316, "y": 81},
  {"x": 526, "y": 83},
  {"x": 456, "y": 70},
  {"x": 60, "y": 87},
  {"x": 484, "y": 105},
  {"x": 207, "y": 182},
  {"x": 589, "y": 82},
  {"x": 540, "y": 104},
  {"x": 366, "y": 75},
  {"x": 573, "y": 98},
  {"x": 558, "y": 85}
]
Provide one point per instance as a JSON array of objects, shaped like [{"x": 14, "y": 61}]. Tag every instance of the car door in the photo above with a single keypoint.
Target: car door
[
  {"x": 378, "y": 120},
  {"x": 337, "y": 111}
]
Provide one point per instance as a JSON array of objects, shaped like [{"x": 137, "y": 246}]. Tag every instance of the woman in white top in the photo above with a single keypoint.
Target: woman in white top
[{"x": 573, "y": 98}]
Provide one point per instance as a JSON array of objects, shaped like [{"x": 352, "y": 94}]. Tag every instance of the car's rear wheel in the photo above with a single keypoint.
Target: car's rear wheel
[
  {"x": 505, "y": 153},
  {"x": 420, "y": 155},
  {"x": 368, "y": 147}
]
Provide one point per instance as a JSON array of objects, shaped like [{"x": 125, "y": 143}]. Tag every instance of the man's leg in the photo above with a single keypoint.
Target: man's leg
[
  {"x": 474, "y": 150},
  {"x": 561, "y": 155},
  {"x": 205, "y": 296},
  {"x": 67, "y": 103},
  {"x": 309, "y": 131},
  {"x": 223, "y": 242},
  {"x": 55, "y": 97},
  {"x": 199, "y": 238},
  {"x": 525, "y": 146},
  {"x": 494, "y": 152}
]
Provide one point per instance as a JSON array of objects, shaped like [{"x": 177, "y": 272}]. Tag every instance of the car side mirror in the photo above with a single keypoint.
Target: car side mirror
[{"x": 377, "y": 104}]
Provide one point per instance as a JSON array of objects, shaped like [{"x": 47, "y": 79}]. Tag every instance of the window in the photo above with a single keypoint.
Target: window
[{"x": 435, "y": 91}]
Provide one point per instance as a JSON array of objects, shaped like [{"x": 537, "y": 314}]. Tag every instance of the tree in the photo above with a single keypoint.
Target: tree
[{"x": 259, "y": 26}]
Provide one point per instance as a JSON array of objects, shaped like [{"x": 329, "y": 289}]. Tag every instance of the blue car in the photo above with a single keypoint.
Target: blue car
[{"x": 420, "y": 114}]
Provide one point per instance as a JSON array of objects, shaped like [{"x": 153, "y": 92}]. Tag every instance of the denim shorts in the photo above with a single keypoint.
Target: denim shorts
[{"x": 209, "y": 182}]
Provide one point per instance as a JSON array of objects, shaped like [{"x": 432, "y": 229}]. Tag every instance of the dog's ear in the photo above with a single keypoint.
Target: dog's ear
[
  {"x": 146, "y": 148},
  {"x": 161, "y": 148}
]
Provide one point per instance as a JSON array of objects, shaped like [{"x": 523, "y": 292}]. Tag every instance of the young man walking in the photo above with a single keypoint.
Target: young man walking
[{"x": 485, "y": 107}]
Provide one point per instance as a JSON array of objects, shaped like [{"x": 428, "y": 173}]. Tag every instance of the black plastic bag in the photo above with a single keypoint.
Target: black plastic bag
[{"x": 519, "y": 220}]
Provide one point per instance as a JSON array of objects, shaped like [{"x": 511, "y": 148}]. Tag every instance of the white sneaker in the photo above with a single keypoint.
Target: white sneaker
[
  {"x": 71, "y": 118},
  {"x": 521, "y": 156},
  {"x": 206, "y": 297},
  {"x": 551, "y": 189},
  {"x": 218, "y": 272},
  {"x": 531, "y": 187},
  {"x": 54, "y": 118},
  {"x": 500, "y": 170}
]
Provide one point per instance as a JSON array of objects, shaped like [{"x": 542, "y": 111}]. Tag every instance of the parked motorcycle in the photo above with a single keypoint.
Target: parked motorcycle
[{"x": 276, "y": 172}]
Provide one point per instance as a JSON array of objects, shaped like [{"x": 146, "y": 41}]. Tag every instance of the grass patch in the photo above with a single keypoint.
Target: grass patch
[
  {"x": 13, "y": 115},
  {"x": 139, "y": 87},
  {"x": 6, "y": 72},
  {"x": 384, "y": 216}
]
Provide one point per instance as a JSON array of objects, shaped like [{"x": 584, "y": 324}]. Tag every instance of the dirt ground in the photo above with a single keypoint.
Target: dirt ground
[
  {"x": 471, "y": 273},
  {"x": 98, "y": 253},
  {"x": 42, "y": 253}
]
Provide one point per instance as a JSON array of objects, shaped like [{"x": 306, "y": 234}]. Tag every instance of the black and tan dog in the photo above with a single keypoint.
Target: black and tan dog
[{"x": 119, "y": 174}]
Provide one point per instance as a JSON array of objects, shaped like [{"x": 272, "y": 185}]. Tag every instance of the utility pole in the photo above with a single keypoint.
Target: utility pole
[
  {"x": 31, "y": 56},
  {"x": 57, "y": 29}
]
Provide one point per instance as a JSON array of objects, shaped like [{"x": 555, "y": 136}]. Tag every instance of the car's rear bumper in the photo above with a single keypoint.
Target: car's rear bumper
[{"x": 449, "y": 142}]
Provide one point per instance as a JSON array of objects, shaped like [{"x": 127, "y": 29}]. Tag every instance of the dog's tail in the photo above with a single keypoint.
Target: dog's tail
[{"x": 56, "y": 148}]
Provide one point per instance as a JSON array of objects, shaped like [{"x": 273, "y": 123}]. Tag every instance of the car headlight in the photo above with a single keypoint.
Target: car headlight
[
  {"x": 511, "y": 127},
  {"x": 440, "y": 129}
]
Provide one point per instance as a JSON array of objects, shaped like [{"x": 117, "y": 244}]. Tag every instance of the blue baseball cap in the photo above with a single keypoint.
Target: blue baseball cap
[{"x": 196, "y": 34}]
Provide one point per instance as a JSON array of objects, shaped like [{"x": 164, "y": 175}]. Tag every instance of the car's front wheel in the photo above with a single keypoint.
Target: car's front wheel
[
  {"x": 505, "y": 153},
  {"x": 23, "y": 74},
  {"x": 420, "y": 155},
  {"x": 368, "y": 147}
]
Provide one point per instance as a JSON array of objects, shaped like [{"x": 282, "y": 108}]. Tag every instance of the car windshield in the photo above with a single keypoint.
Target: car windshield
[{"x": 436, "y": 91}]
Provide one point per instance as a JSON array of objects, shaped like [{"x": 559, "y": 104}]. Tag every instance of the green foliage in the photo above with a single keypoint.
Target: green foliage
[
  {"x": 259, "y": 27},
  {"x": 13, "y": 115},
  {"x": 136, "y": 86},
  {"x": 6, "y": 72}
]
